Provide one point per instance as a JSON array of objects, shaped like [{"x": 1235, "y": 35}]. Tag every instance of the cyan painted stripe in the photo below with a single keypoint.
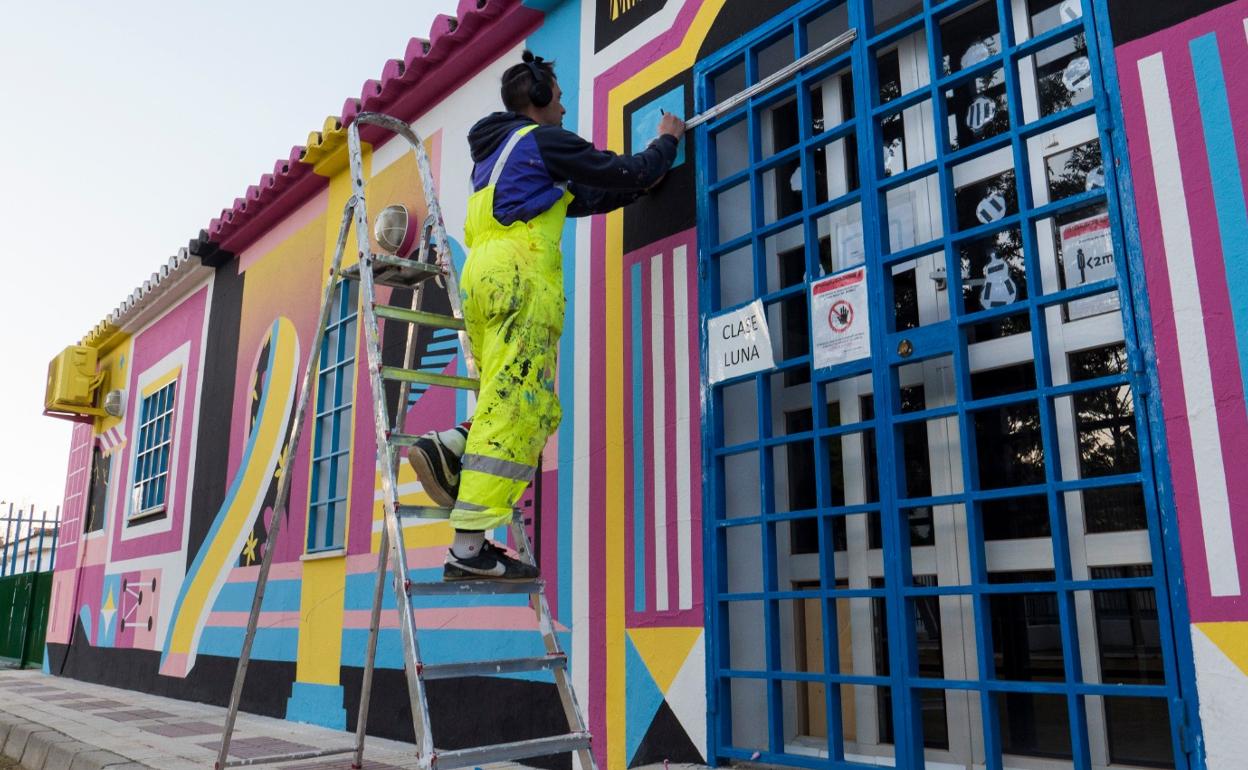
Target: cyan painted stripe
[
  {"x": 437, "y": 647},
  {"x": 639, "y": 443},
  {"x": 281, "y": 644},
  {"x": 563, "y": 24},
  {"x": 450, "y": 346},
  {"x": 359, "y": 594},
  {"x": 279, "y": 596},
  {"x": 1228, "y": 191}
]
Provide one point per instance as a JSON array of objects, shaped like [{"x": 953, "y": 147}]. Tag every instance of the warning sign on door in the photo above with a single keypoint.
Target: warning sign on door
[
  {"x": 840, "y": 320},
  {"x": 1088, "y": 257}
]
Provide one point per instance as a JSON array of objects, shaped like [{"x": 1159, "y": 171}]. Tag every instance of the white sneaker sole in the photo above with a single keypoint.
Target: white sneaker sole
[{"x": 428, "y": 479}]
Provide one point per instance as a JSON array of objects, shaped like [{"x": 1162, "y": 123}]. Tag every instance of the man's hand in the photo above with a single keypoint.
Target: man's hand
[{"x": 672, "y": 126}]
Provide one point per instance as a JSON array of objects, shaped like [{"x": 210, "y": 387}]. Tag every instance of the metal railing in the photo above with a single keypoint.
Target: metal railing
[{"x": 28, "y": 539}]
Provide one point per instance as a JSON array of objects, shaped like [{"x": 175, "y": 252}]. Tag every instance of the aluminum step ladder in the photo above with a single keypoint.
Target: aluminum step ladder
[{"x": 432, "y": 262}]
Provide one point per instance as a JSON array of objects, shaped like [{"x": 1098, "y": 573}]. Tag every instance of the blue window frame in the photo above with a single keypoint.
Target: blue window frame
[
  {"x": 915, "y": 556},
  {"x": 331, "y": 442},
  {"x": 151, "y": 461}
]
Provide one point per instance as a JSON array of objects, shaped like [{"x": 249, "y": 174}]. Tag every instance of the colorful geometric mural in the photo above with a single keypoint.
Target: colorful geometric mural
[{"x": 1185, "y": 103}]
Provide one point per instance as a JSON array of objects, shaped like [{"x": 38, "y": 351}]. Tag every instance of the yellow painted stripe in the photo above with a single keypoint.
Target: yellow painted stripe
[
  {"x": 680, "y": 59},
  {"x": 244, "y": 506}
]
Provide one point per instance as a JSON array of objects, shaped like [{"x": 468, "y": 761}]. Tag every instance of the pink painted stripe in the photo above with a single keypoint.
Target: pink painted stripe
[
  {"x": 1228, "y": 382},
  {"x": 649, "y": 404},
  {"x": 1174, "y": 405},
  {"x": 285, "y": 570},
  {"x": 238, "y": 619},
  {"x": 453, "y": 618}
]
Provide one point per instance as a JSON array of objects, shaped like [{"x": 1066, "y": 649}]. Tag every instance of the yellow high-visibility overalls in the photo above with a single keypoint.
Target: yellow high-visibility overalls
[{"x": 512, "y": 291}]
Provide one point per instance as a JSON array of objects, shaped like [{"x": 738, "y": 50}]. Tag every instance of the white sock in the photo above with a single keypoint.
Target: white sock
[
  {"x": 455, "y": 439},
  {"x": 467, "y": 543}
]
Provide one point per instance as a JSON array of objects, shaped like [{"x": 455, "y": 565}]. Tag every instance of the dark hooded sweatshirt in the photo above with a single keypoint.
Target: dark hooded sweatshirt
[{"x": 549, "y": 157}]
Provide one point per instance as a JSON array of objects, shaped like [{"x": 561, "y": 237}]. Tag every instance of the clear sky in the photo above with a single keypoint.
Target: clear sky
[{"x": 124, "y": 128}]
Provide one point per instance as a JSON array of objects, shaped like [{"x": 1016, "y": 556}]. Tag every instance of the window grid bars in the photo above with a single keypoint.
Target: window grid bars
[
  {"x": 155, "y": 439},
  {"x": 863, "y": 61},
  {"x": 330, "y": 454}
]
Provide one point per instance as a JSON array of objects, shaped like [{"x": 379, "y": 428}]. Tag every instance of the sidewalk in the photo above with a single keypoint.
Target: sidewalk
[{"x": 55, "y": 723}]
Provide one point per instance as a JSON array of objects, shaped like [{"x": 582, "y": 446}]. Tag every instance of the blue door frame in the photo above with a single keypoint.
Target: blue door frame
[{"x": 890, "y": 350}]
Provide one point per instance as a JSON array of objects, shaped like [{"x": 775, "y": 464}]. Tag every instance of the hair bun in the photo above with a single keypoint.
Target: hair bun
[{"x": 527, "y": 56}]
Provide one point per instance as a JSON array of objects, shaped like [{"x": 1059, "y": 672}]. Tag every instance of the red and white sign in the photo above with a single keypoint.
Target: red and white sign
[
  {"x": 840, "y": 320},
  {"x": 1088, "y": 257}
]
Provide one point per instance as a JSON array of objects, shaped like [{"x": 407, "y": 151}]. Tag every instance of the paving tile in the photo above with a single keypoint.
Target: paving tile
[
  {"x": 250, "y": 748},
  {"x": 340, "y": 763},
  {"x": 100, "y": 703},
  {"x": 133, "y": 715},
  {"x": 183, "y": 729}
]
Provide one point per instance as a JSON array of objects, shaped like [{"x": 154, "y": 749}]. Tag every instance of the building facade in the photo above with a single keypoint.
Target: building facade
[{"x": 970, "y": 501}]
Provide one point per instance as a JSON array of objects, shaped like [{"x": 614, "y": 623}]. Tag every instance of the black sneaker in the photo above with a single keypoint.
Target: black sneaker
[
  {"x": 437, "y": 467},
  {"x": 492, "y": 563}
]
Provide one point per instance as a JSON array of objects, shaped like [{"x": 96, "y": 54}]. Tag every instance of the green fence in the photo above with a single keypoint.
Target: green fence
[{"x": 27, "y": 550}]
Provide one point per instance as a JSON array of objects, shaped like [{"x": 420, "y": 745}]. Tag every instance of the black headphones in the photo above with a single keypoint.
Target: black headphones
[{"x": 540, "y": 94}]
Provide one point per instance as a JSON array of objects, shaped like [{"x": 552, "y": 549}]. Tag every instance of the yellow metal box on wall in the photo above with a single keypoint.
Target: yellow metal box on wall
[{"x": 72, "y": 381}]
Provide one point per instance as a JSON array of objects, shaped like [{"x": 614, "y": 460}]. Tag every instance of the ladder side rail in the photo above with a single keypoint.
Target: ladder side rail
[
  {"x": 567, "y": 696},
  {"x": 407, "y": 625},
  {"x": 383, "y": 548},
  {"x": 442, "y": 243},
  {"x": 283, "y": 487}
]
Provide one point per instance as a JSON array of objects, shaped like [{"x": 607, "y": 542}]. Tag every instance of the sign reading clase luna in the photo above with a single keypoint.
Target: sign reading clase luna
[{"x": 738, "y": 342}]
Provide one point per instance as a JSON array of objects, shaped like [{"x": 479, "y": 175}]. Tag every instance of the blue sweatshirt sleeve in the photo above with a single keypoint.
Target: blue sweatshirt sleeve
[{"x": 601, "y": 180}]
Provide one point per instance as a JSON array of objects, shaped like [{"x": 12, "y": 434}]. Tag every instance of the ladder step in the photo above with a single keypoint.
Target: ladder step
[
  {"x": 394, "y": 271},
  {"x": 537, "y": 747},
  {"x": 432, "y": 512},
  {"x": 421, "y": 317},
  {"x": 428, "y": 378},
  {"x": 461, "y": 587},
  {"x": 495, "y": 667}
]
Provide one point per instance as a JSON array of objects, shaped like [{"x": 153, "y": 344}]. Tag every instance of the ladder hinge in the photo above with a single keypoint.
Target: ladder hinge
[
  {"x": 702, "y": 268},
  {"x": 1187, "y": 734}
]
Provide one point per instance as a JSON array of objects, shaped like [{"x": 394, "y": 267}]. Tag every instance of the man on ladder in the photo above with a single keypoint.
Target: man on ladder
[{"x": 529, "y": 175}]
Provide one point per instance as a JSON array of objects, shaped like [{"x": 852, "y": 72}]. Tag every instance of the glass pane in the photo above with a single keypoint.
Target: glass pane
[
  {"x": 1015, "y": 518},
  {"x": 728, "y": 82},
  {"x": 1056, "y": 78},
  {"x": 790, "y": 327},
  {"x": 982, "y": 200},
  {"x": 1082, "y": 246},
  {"x": 1128, "y": 631},
  {"x": 1045, "y": 15},
  {"x": 785, "y": 254},
  {"x": 732, "y": 149},
  {"x": 1033, "y": 724},
  {"x": 1139, "y": 732},
  {"x": 831, "y": 101},
  {"x": 748, "y": 699},
  {"x": 778, "y": 126},
  {"x": 914, "y": 213},
  {"x": 782, "y": 190},
  {"x": 343, "y": 419},
  {"x": 935, "y": 719},
  {"x": 890, "y": 13},
  {"x": 903, "y": 68},
  {"x": 744, "y": 551},
  {"x": 970, "y": 37},
  {"x": 993, "y": 272},
  {"x": 733, "y": 211},
  {"x": 853, "y": 474},
  {"x": 741, "y": 485},
  {"x": 1003, "y": 380},
  {"x": 836, "y": 169},
  {"x": 1105, "y": 429},
  {"x": 736, "y": 276},
  {"x": 1026, "y": 632},
  {"x": 1097, "y": 362},
  {"x": 739, "y": 413},
  {"x": 1009, "y": 446},
  {"x": 977, "y": 110},
  {"x": 1074, "y": 171},
  {"x": 1111, "y": 509},
  {"x": 775, "y": 56},
  {"x": 841, "y": 238},
  {"x": 845, "y": 400},
  {"x": 793, "y": 476},
  {"x": 907, "y": 139},
  {"x": 745, "y": 635},
  {"x": 826, "y": 26}
]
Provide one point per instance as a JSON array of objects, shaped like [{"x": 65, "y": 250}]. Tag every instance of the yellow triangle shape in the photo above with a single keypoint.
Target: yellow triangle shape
[
  {"x": 1231, "y": 639},
  {"x": 109, "y": 604},
  {"x": 664, "y": 650}
]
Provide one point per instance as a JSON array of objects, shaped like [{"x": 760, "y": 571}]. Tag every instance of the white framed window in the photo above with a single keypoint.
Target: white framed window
[{"x": 150, "y": 488}]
